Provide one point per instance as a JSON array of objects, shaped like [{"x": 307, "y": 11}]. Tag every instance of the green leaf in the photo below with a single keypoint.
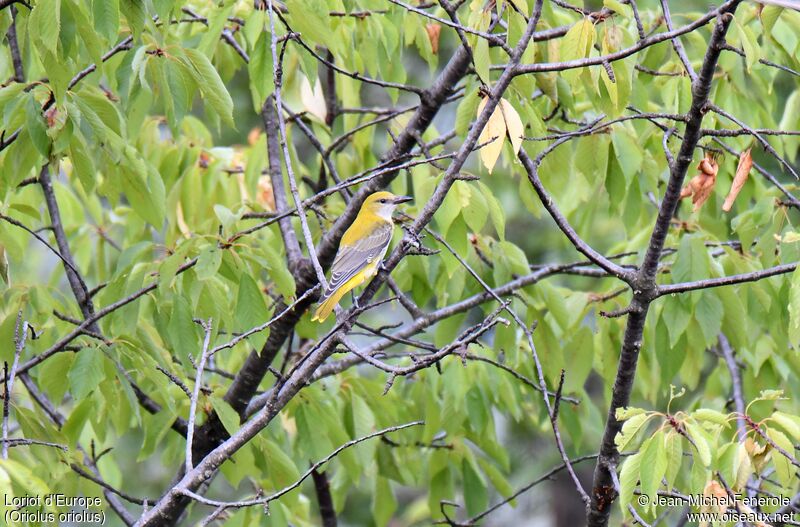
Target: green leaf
[
  {"x": 82, "y": 162},
  {"x": 37, "y": 128},
  {"x": 577, "y": 44},
  {"x": 496, "y": 213},
  {"x": 226, "y": 217},
  {"x": 210, "y": 83},
  {"x": 80, "y": 14},
  {"x": 769, "y": 15},
  {"x": 384, "y": 504},
  {"x": 45, "y": 23},
  {"x": 251, "y": 310},
  {"x": 499, "y": 481},
  {"x": 692, "y": 260},
  {"x": 86, "y": 373},
  {"x": 51, "y": 372},
  {"x": 466, "y": 111},
  {"x": 477, "y": 212},
  {"x": 790, "y": 423},
  {"x": 783, "y": 467},
  {"x": 24, "y": 477},
  {"x": 749, "y": 44},
  {"x": 143, "y": 187},
  {"x": 106, "y": 18},
  {"x": 709, "y": 312},
  {"x": 259, "y": 71},
  {"x": 653, "y": 465},
  {"x": 628, "y": 477},
  {"x": 628, "y": 153},
  {"x": 476, "y": 496},
  {"x": 310, "y": 18},
  {"x": 674, "y": 452},
  {"x": 276, "y": 263},
  {"x": 182, "y": 332},
  {"x": 482, "y": 60},
  {"x": 623, "y": 414},
  {"x": 134, "y": 12},
  {"x": 632, "y": 425},
  {"x": 208, "y": 262},
  {"x": 77, "y": 420},
  {"x": 282, "y": 470},
  {"x": 711, "y": 416},
  {"x": 700, "y": 443},
  {"x": 230, "y": 419},
  {"x": 216, "y": 23},
  {"x": 794, "y": 308}
]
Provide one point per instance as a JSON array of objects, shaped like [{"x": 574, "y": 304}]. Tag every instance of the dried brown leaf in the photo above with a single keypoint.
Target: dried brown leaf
[
  {"x": 742, "y": 173},
  {"x": 701, "y": 186},
  {"x": 433, "y": 29}
]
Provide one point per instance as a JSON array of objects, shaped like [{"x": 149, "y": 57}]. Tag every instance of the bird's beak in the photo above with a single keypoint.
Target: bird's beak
[{"x": 401, "y": 199}]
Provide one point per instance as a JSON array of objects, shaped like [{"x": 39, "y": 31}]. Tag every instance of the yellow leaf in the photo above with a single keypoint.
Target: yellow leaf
[
  {"x": 4, "y": 265},
  {"x": 181, "y": 221},
  {"x": 313, "y": 100},
  {"x": 492, "y": 136},
  {"x": 514, "y": 126}
]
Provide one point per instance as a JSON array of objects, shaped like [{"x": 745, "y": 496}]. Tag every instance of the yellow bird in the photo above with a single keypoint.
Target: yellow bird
[{"x": 361, "y": 250}]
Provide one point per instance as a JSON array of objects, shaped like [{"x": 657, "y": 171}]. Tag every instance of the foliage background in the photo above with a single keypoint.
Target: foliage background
[{"x": 159, "y": 157}]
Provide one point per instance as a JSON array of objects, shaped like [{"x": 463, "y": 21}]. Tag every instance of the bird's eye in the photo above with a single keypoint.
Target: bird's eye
[{"x": 383, "y": 201}]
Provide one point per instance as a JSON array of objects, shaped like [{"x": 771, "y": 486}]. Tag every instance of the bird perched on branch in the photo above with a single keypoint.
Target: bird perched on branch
[{"x": 361, "y": 250}]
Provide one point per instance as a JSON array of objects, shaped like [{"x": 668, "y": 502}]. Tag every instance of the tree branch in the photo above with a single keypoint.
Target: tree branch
[
  {"x": 13, "y": 45},
  {"x": 277, "y": 77},
  {"x": 736, "y": 384},
  {"x": 20, "y": 336},
  {"x": 683, "y": 287},
  {"x": 294, "y": 255},
  {"x": 603, "y": 492},
  {"x": 532, "y": 170},
  {"x": 324, "y": 499}
]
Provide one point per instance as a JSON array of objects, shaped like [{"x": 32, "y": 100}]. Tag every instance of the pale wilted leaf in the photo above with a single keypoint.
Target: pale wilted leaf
[
  {"x": 504, "y": 119},
  {"x": 242, "y": 184},
  {"x": 758, "y": 454},
  {"x": 717, "y": 496},
  {"x": 492, "y": 136},
  {"x": 4, "y": 265},
  {"x": 181, "y": 221},
  {"x": 313, "y": 99},
  {"x": 264, "y": 196},
  {"x": 514, "y": 126},
  {"x": 743, "y": 467},
  {"x": 742, "y": 173},
  {"x": 434, "y": 30}
]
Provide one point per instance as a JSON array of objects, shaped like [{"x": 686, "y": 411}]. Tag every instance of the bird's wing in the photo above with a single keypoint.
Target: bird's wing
[{"x": 352, "y": 258}]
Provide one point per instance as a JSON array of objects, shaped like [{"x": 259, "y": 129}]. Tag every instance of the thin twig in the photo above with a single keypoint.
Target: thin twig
[
  {"x": 277, "y": 77},
  {"x": 20, "y": 336},
  {"x": 198, "y": 382}
]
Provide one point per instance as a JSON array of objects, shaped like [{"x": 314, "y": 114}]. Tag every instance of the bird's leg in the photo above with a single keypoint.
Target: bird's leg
[
  {"x": 382, "y": 267},
  {"x": 355, "y": 299}
]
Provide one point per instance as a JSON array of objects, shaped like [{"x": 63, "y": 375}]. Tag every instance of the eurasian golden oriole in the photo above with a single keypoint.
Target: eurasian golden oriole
[{"x": 361, "y": 250}]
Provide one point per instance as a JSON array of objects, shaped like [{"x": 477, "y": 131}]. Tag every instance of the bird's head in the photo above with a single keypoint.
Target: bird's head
[{"x": 383, "y": 204}]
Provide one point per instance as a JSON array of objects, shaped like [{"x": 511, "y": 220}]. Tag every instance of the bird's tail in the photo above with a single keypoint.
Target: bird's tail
[{"x": 326, "y": 306}]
